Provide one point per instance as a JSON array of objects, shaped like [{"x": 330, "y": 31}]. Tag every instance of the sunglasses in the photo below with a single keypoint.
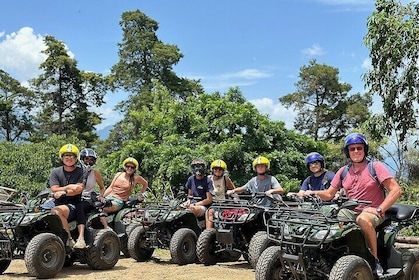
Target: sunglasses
[
  {"x": 69, "y": 156},
  {"x": 217, "y": 169},
  {"x": 314, "y": 163},
  {"x": 89, "y": 159},
  {"x": 356, "y": 148},
  {"x": 129, "y": 166}
]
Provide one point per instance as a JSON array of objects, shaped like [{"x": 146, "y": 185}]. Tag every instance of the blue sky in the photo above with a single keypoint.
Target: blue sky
[{"x": 258, "y": 46}]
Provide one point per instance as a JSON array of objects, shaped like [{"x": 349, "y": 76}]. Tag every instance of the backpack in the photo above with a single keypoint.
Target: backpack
[
  {"x": 370, "y": 167},
  {"x": 325, "y": 181}
]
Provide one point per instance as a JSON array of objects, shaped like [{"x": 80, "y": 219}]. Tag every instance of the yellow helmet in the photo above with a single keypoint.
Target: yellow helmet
[
  {"x": 218, "y": 163},
  {"x": 261, "y": 160},
  {"x": 69, "y": 148},
  {"x": 130, "y": 160}
]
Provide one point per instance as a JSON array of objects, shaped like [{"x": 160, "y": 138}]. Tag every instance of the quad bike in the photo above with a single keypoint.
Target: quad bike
[
  {"x": 36, "y": 234},
  {"x": 236, "y": 223},
  {"x": 315, "y": 243},
  {"x": 121, "y": 222},
  {"x": 166, "y": 225}
]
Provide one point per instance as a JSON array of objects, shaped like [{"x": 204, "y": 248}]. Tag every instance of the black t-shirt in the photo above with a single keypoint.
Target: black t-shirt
[{"x": 62, "y": 178}]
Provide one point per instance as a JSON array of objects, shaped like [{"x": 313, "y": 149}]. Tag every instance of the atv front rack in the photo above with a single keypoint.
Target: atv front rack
[
  {"x": 11, "y": 214},
  {"x": 233, "y": 212}
]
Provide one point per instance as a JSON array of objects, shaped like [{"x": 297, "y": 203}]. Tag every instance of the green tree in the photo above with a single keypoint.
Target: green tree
[
  {"x": 144, "y": 58},
  {"x": 325, "y": 111},
  {"x": 169, "y": 133},
  {"x": 65, "y": 94},
  {"x": 392, "y": 37},
  {"x": 16, "y": 101}
]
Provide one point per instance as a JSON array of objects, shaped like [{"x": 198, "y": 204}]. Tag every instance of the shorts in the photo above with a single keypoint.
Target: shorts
[
  {"x": 352, "y": 215},
  {"x": 118, "y": 203},
  {"x": 72, "y": 213}
]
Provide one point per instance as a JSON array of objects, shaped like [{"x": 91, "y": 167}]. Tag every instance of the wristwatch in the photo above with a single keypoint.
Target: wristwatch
[{"x": 379, "y": 210}]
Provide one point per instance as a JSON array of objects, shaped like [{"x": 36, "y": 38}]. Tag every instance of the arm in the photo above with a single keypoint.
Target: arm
[
  {"x": 143, "y": 182},
  {"x": 394, "y": 192},
  {"x": 99, "y": 181},
  {"x": 325, "y": 195},
  {"x": 229, "y": 184},
  {"x": 206, "y": 201}
]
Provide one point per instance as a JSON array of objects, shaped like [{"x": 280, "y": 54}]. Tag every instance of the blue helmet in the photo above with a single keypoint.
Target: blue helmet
[
  {"x": 314, "y": 156},
  {"x": 355, "y": 138}
]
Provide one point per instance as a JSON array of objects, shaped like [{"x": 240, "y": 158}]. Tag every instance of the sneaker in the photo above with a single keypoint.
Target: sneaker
[
  {"x": 71, "y": 243},
  {"x": 80, "y": 244},
  {"x": 378, "y": 268}
]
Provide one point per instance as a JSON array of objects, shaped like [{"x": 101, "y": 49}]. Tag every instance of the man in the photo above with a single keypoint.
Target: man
[
  {"x": 359, "y": 184},
  {"x": 200, "y": 189},
  {"x": 66, "y": 183},
  {"x": 262, "y": 182}
]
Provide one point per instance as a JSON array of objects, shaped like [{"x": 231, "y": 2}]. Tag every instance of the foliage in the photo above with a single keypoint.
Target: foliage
[
  {"x": 27, "y": 166},
  {"x": 392, "y": 38},
  {"x": 64, "y": 94},
  {"x": 325, "y": 111},
  {"x": 15, "y": 103}
]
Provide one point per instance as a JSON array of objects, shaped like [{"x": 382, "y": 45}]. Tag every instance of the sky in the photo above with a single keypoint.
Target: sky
[{"x": 258, "y": 46}]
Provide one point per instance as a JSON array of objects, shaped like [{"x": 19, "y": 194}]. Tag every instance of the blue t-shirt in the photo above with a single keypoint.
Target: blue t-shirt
[
  {"x": 318, "y": 183},
  {"x": 199, "y": 188}
]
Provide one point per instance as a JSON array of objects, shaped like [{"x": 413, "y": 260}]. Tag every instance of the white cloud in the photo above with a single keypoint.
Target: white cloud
[
  {"x": 276, "y": 111},
  {"x": 314, "y": 50},
  {"x": 366, "y": 64},
  {"x": 20, "y": 53},
  {"x": 225, "y": 81}
]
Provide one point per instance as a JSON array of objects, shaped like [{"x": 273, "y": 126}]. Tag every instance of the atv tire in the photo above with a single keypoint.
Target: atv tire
[
  {"x": 269, "y": 266},
  {"x": 205, "y": 247},
  {"x": 259, "y": 242},
  {"x": 410, "y": 265},
  {"x": 4, "y": 264},
  {"x": 104, "y": 253},
  {"x": 124, "y": 239},
  {"x": 351, "y": 267},
  {"x": 45, "y": 255},
  {"x": 136, "y": 244},
  {"x": 183, "y": 246}
]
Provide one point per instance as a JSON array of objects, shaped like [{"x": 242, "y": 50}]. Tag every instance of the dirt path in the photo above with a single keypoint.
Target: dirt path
[{"x": 157, "y": 268}]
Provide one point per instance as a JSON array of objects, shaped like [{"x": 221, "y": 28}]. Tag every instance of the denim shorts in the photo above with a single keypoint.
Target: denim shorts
[{"x": 118, "y": 203}]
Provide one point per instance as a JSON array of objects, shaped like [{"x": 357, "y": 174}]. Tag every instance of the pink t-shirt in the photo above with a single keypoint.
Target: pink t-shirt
[{"x": 361, "y": 185}]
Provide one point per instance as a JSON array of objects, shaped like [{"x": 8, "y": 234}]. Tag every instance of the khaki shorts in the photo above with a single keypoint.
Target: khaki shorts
[{"x": 352, "y": 215}]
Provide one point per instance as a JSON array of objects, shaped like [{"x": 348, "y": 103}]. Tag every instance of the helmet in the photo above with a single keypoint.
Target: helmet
[
  {"x": 218, "y": 163},
  {"x": 69, "y": 148},
  {"x": 87, "y": 152},
  {"x": 130, "y": 160},
  {"x": 314, "y": 156},
  {"x": 198, "y": 167},
  {"x": 261, "y": 160},
  {"x": 355, "y": 138}
]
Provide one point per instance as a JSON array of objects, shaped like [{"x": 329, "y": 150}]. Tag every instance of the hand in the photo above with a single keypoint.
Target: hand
[
  {"x": 59, "y": 194},
  {"x": 230, "y": 192},
  {"x": 187, "y": 203},
  {"x": 309, "y": 192}
]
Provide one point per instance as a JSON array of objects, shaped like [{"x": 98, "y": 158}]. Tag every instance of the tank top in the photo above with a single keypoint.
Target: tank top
[
  {"x": 219, "y": 187},
  {"x": 90, "y": 185}
]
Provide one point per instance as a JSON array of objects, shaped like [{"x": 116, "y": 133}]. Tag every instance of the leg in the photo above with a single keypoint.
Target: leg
[
  {"x": 63, "y": 212},
  {"x": 365, "y": 221},
  {"x": 110, "y": 209},
  {"x": 82, "y": 209},
  {"x": 209, "y": 217}
]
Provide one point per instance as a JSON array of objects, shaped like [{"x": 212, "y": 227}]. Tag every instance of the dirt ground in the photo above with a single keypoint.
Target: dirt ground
[{"x": 158, "y": 268}]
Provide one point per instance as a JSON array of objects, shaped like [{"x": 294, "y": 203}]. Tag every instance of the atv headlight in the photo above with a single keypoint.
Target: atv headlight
[{"x": 325, "y": 234}]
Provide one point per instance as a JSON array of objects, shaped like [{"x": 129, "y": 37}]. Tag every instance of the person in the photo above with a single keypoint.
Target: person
[
  {"x": 121, "y": 186},
  {"x": 359, "y": 184},
  {"x": 320, "y": 178},
  {"x": 66, "y": 184},
  {"x": 261, "y": 183},
  {"x": 221, "y": 184},
  {"x": 200, "y": 189},
  {"x": 92, "y": 177}
]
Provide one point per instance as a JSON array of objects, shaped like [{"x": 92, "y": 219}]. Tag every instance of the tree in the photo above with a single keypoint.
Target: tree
[
  {"x": 65, "y": 93},
  {"x": 166, "y": 135},
  {"x": 16, "y": 101},
  {"x": 143, "y": 58},
  {"x": 325, "y": 111},
  {"x": 392, "y": 37}
]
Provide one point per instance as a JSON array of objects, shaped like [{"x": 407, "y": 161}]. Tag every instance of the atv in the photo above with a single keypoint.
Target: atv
[
  {"x": 31, "y": 232},
  {"x": 166, "y": 225},
  {"x": 121, "y": 222},
  {"x": 316, "y": 243},
  {"x": 237, "y": 221}
]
